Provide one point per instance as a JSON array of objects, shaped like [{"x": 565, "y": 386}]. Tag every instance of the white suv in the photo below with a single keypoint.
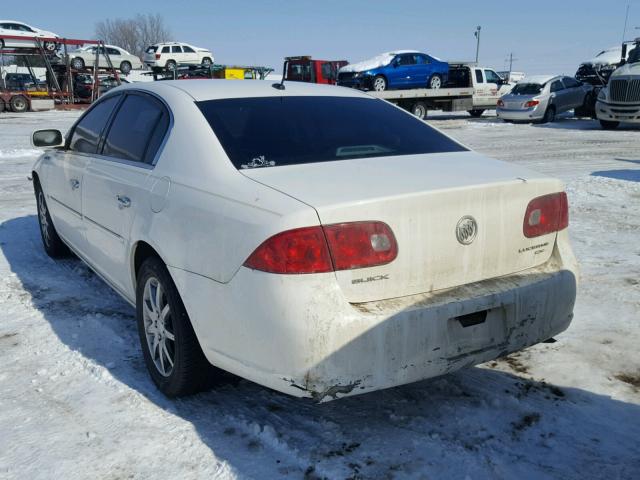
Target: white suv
[{"x": 169, "y": 55}]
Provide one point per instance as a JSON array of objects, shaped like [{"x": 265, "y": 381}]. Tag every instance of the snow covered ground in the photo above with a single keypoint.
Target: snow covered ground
[{"x": 76, "y": 400}]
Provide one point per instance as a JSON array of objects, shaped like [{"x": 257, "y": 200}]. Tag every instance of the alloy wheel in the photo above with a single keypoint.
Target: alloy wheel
[
  {"x": 44, "y": 221},
  {"x": 379, "y": 84},
  {"x": 158, "y": 326}
]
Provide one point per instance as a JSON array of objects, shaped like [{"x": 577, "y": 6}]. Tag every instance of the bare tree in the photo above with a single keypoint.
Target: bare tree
[{"x": 134, "y": 34}]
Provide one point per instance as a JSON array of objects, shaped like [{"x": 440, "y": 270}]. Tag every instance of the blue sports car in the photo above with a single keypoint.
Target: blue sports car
[{"x": 395, "y": 70}]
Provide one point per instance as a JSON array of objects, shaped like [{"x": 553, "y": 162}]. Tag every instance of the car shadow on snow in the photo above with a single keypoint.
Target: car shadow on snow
[{"x": 480, "y": 422}]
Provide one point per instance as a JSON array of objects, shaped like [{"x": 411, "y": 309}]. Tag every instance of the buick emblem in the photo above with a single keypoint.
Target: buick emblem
[{"x": 466, "y": 230}]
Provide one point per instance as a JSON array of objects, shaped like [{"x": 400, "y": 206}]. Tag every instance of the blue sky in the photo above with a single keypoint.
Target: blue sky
[{"x": 553, "y": 37}]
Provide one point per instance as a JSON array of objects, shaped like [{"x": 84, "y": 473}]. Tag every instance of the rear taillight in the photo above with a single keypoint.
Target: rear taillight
[
  {"x": 318, "y": 249},
  {"x": 531, "y": 103},
  {"x": 546, "y": 214},
  {"x": 361, "y": 244},
  {"x": 157, "y": 56},
  {"x": 500, "y": 103}
]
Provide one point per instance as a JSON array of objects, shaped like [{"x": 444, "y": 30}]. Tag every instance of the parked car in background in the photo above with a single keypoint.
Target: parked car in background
[
  {"x": 120, "y": 58},
  {"x": 541, "y": 98},
  {"x": 22, "y": 82},
  {"x": 315, "y": 240},
  {"x": 19, "y": 29},
  {"x": 306, "y": 69},
  {"x": 169, "y": 55},
  {"x": 395, "y": 70},
  {"x": 598, "y": 69},
  {"x": 84, "y": 85}
]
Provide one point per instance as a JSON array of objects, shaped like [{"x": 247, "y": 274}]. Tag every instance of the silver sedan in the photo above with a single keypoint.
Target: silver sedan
[{"x": 540, "y": 98}]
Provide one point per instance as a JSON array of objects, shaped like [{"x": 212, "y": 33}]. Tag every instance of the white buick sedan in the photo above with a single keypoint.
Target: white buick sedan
[{"x": 312, "y": 239}]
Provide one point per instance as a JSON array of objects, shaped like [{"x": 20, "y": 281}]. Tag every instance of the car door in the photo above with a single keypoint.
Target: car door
[
  {"x": 64, "y": 169},
  {"x": 492, "y": 85},
  {"x": 404, "y": 70},
  {"x": 575, "y": 92},
  {"x": 480, "y": 90},
  {"x": 117, "y": 184},
  {"x": 559, "y": 96},
  {"x": 114, "y": 56},
  {"x": 177, "y": 55},
  {"x": 190, "y": 55},
  {"x": 424, "y": 70}
]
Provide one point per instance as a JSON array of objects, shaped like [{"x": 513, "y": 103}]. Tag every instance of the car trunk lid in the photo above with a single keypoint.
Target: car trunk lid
[{"x": 427, "y": 200}]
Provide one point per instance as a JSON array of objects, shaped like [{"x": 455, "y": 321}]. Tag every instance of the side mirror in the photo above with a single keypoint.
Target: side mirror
[{"x": 47, "y": 138}]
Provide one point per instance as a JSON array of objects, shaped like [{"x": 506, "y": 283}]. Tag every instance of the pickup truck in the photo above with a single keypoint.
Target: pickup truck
[{"x": 469, "y": 88}]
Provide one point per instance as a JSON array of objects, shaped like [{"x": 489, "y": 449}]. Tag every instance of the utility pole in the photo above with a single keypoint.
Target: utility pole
[
  {"x": 510, "y": 60},
  {"x": 626, "y": 18},
  {"x": 477, "y": 34}
]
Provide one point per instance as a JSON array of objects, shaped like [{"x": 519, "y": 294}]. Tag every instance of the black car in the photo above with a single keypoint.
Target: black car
[{"x": 22, "y": 81}]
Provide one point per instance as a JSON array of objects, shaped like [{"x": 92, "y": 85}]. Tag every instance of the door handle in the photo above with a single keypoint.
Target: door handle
[
  {"x": 123, "y": 201},
  {"x": 75, "y": 183}
]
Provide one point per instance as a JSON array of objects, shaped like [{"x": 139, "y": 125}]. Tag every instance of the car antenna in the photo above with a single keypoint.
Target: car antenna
[{"x": 280, "y": 86}]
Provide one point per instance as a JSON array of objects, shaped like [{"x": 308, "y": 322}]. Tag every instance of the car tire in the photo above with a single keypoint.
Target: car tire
[
  {"x": 125, "y": 67},
  {"x": 435, "y": 82},
  {"x": 549, "y": 115},
  {"x": 419, "y": 110},
  {"x": 379, "y": 83},
  {"x": 19, "y": 104},
  {"x": 50, "y": 46},
  {"x": 1, "y": 106},
  {"x": 609, "y": 125},
  {"x": 77, "y": 63},
  {"x": 206, "y": 61},
  {"x": 171, "y": 65},
  {"x": 476, "y": 112},
  {"x": 177, "y": 366},
  {"x": 51, "y": 241}
]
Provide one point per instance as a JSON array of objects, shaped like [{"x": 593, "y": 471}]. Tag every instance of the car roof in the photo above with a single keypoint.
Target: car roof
[
  {"x": 217, "y": 89},
  {"x": 540, "y": 79}
]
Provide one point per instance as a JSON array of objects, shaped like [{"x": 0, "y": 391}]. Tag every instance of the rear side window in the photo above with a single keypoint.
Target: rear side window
[
  {"x": 137, "y": 129},
  {"x": 479, "y": 78},
  {"x": 276, "y": 131},
  {"x": 176, "y": 49},
  {"x": 86, "y": 134},
  {"x": 166, "y": 49}
]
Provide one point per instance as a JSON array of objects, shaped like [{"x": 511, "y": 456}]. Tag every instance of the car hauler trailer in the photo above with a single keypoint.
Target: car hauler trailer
[
  {"x": 420, "y": 100},
  {"x": 59, "y": 74}
]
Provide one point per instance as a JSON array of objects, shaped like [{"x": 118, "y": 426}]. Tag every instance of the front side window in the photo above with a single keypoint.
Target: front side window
[
  {"x": 276, "y": 131},
  {"x": 137, "y": 129},
  {"x": 188, "y": 49},
  {"x": 112, "y": 51},
  {"x": 557, "y": 86},
  {"x": 406, "y": 59},
  {"x": 479, "y": 78},
  {"x": 87, "y": 131},
  {"x": 571, "y": 82}
]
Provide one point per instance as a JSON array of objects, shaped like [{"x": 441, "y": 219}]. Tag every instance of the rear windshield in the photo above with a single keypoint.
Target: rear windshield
[
  {"x": 276, "y": 131},
  {"x": 151, "y": 49},
  {"x": 527, "y": 89}
]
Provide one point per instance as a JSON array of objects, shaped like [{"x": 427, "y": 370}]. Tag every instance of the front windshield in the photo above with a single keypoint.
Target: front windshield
[
  {"x": 276, "y": 131},
  {"x": 527, "y": 89}
]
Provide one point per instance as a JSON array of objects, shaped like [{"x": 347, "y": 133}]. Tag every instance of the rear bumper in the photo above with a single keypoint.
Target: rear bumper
[
  {"x": 618, "y": 112},
  {"x": 529, "y": 114},
  {"x": 298, "y": 335}
]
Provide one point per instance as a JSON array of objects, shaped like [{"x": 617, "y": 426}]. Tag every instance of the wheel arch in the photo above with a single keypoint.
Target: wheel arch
[{"x": 140, "y": 252}]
